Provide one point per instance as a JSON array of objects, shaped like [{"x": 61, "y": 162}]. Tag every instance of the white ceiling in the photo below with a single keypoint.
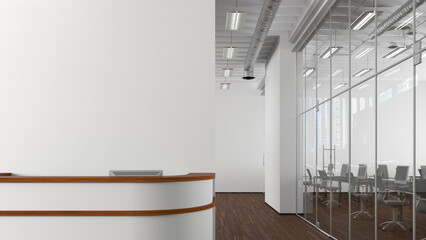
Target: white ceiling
[{"x": 287, "y": 17}]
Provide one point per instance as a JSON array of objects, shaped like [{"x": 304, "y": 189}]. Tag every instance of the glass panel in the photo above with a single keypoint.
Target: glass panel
[
  {"x": 302, "y": 180},
  {"x": 361, "y": 189},
  {"x": 325, "y": 49},
  {"x": 339, "y": 148},
  {"x": 300, "y": 82},
  {"x": 363, "y": 46},
  {"x": 340, "y": 154},
  {"x": 340, "y": 39},
  {"x": 324, "y": 158},
  {"x": 395, "y": 151},
  {"x": 362, "y": 161},
  {"x": 393, "y": 43},
  {"x": 311, "y": 189},
  {"x": 420, "y": 205},
  {"x": 311, "y": 73}
]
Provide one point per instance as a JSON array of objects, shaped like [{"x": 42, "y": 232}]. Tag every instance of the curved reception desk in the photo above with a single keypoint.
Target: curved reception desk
[{"x": 156, "y": 208}]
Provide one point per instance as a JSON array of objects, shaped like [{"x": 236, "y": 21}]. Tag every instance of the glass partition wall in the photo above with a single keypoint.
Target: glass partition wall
[{"x": 361, "y": 121}]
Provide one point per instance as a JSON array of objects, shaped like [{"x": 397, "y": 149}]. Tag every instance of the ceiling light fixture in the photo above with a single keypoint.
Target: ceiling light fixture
[
  {"x": 330, "y": 51},
  {"x": 362, "y": 72},
  {"x": 391, "y": 72},
  {"x": 339, "y": 85},
  {"x": 363, "y": 53},
  {"x": 227, "y": 72},
  {"x": 395, "y": 52},
  {"x": 336, "y": 73},
  {"x": 225, "y": 86},
  {"x": 230, "y": 52},
  {"x": 408, "y": 21},
  {"x": 235, "y": 19},
  {"x": 316, "y": 86},
  {"x": 363, "y": 86},
  {"x": 363, "y": 20},
  {"x": 308, "y": 71}
]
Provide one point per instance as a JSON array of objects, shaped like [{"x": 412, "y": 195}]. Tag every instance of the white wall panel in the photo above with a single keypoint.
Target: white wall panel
[
  {"x": 88, "y": 86},
  {"x": 239, "y": 138}
]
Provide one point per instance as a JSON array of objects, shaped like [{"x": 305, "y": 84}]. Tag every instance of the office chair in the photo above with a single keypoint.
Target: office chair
[
  {"x": 343, "y": 173},
  {"x": 311, "y": 183},
  {"x": 326, "y": 184},
  {"x": 382, "y": 171},
  {"x": 362, "y": 196},
  {"x": 396, "y": 204},
  {"x": 362, "y": 171},
  {"x": 422, "y": 171}
]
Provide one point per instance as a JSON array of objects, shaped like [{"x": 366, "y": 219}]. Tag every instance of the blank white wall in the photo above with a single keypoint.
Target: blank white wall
[
  {"x": 88, "y": 85},
  {"x": 239, "y": 138}
]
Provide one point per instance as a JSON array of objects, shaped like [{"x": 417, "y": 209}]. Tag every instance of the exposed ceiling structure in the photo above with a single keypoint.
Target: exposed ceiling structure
[
  {"x": 333, "y": 32},
  {"x": 287, "y": 17}
]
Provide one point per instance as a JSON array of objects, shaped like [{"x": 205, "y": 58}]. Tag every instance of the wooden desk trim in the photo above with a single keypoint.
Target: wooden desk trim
[
  {"x": 109, "y": 213},
  {"x": 107, "y": 179}
]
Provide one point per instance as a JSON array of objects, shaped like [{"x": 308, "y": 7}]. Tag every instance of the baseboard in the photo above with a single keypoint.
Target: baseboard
[
  {"x": 279, "y": 212},
  {"x": 243, "y": 192}
]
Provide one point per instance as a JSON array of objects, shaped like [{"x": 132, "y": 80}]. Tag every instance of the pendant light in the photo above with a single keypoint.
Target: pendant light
[
  {"x": 227, "y": 72},
  {"x": 225, "y": 85},
  {"x": 230, "y": 51},
  {"x": 235, "y": 19}
]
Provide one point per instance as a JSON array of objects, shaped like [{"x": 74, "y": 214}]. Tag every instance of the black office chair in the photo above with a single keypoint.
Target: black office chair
[{"x": 327, "y": 185}]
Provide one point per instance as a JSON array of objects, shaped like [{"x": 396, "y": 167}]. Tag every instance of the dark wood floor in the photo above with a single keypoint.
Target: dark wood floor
[
  {"x": 364, "y": 228},
  {"x": 245, "y": 216}
]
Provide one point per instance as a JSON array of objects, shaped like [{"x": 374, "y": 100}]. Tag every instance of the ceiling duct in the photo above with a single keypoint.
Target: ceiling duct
[
  {"x": 396, "y": 16},
  {"x": 269, "y": 10},
  {"x": 308, "y": 23}
]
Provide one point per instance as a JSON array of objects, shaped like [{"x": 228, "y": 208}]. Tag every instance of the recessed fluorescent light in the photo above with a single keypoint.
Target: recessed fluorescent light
[
  {"x": 408, "y": 21},
  {"x": 363, "y": 53},
  {"x": 363, "y": 20},
  {"x": 230, "y": 52},
  {"x": 225, "y": 86},
  {"x": 330, "y": 51},
  {"x": 336, "y": 73},
  {"x": 395, "y": 52},
  {"x": 308, "y": 71},
  {"x": 316, "y": 86},
  {"x": 364, "y": 86},
  {"x": 362, "y": 72},
  {"x": 337, "y": 86},
  {"x": 391, "y": 72},
  {"x": 227, "y": 72},
  {"x": 235, "y": 20}
]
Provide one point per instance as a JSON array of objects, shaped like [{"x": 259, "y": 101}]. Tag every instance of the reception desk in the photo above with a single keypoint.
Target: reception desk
[{"x": 155, "y": 208}]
